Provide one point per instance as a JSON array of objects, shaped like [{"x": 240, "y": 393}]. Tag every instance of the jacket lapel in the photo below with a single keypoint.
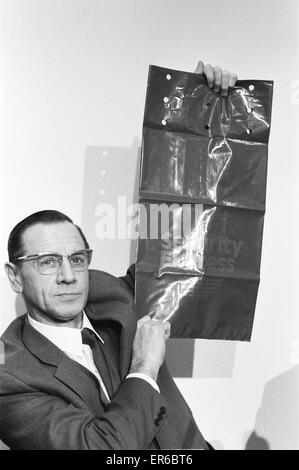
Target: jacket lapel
[
  {"x": 67, "y": 371},
  {"x": 81, "y": 381}
]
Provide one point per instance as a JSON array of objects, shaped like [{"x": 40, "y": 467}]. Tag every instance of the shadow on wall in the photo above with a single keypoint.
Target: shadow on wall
[
  {"x": 277, "y": 420},
  {"x": 201, "y": 358},
  {"x": 110, "y": 188},
  {"x": 256, "y": 442}
]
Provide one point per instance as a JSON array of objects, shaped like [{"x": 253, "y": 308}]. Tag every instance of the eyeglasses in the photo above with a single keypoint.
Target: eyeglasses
[{"x": 50, "y": 263}]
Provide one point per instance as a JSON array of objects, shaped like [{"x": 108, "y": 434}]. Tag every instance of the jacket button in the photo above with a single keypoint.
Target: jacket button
[{"x": 157, "y": 422}]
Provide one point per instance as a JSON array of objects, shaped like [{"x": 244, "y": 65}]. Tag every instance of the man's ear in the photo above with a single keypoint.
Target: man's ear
[{"x": 13, "y": 275}]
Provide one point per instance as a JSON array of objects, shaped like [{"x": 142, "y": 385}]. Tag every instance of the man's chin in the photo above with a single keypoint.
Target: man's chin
[
  {"x": 66, "y": 316},
  {"x": 68, "y": 312}
]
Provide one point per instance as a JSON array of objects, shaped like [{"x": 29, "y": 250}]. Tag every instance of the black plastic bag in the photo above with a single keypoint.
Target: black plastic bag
[{"x": 202, "y": 196}]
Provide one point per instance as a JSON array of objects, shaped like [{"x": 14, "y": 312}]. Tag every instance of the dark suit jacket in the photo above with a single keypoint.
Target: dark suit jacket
[{"x": 47, "y": 401}]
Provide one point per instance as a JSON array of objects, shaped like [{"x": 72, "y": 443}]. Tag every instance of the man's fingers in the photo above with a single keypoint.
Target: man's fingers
[
  {"x": 200, "y": 67},
  {"x": 224, "y": 82},
  {"x": 232, "y": 80},
  {"x": 217, "y": 78},
  {"x": 156, "y": 323},
  {"x": 209, "y": 74},
  {"x": 143, "y": 320}
]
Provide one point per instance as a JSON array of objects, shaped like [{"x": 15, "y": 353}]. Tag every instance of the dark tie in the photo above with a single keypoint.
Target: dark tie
[{"x": 88, "y": 337}]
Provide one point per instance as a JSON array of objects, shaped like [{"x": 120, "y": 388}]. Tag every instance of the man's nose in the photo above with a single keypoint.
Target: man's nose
[{"x": 66, "y": 273}]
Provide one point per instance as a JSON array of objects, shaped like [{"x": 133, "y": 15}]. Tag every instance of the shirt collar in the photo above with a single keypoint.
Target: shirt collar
[{"x": 67, "y": 339}]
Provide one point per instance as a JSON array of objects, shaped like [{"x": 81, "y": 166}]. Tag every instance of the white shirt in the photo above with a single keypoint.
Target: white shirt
[{"x": 69, "y": 340}]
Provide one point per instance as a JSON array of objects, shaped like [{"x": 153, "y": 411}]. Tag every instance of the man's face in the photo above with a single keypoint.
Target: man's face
[{"x": 57, "y": 298}]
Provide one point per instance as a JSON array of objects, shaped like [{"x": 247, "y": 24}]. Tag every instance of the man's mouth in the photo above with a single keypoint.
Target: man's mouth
[{"x": 69, "y": 295}]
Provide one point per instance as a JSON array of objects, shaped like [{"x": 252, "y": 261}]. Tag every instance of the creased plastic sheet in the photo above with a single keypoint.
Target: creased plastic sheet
[{"x": 202, "y": 204}]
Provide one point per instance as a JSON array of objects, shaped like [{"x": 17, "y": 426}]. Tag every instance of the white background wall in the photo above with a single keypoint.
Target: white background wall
[{"x": 73, "y": 75}]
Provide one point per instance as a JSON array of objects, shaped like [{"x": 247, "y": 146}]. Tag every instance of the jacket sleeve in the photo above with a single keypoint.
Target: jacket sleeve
[
  {"x": 129, "y": 279},
  {"x": 32, "y": 419}
]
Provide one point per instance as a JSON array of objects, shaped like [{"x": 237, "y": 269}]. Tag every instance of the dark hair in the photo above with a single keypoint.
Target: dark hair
[{"x": 15, "y": 241}]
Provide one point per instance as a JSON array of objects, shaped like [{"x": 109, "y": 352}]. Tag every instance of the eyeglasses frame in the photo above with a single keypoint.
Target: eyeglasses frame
[{"x": 89, "y": 252}]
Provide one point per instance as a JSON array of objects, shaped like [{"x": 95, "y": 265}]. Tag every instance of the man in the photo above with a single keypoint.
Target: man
[{"x": 80, "y": 372}]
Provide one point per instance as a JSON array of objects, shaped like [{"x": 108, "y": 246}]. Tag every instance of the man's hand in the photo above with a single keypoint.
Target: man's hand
[
  {"x": 218, "y": 79},
  {"x": 149, "y": 346}
]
